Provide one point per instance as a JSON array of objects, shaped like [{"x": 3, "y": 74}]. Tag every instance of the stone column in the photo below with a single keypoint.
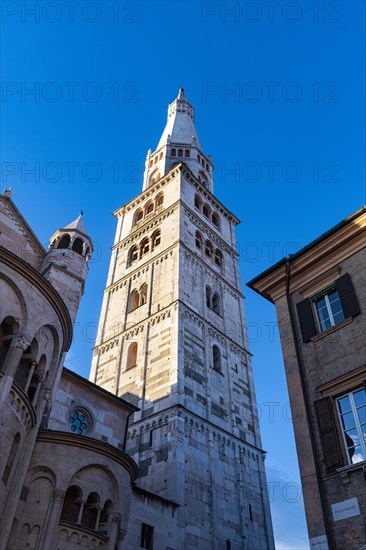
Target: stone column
[
  {"x": 113, "y": 535},
  {"x": 33, "y": 365},
  {"x": 82, "y": 504},
  {"x": 50, "y": 534},
  {"x": 99, "y": 511},
  {"x": 11, "y": 363}
]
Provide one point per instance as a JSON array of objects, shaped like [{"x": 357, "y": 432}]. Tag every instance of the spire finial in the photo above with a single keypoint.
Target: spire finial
[{"x": 181, "y": 94}]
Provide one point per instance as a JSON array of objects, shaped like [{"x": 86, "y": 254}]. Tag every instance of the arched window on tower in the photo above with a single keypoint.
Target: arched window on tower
[
  {"x": 132, "y": 356},
  {"x": 208, "y": 296},
  {"x": 139, "y": 215},
  {"x": 149, "y": 208},
  {"x": 216, "y": 303},
  {"x": 161, "y": 155},
  {"x": 218, "y": 257},
  {"x": 77, "y": 246},
  {"x": 64, "y": 242},
  {"x": 134, "y": 300},
  {"x": 143, "y": 294},
  {"x": 198, "y": 240},
  {"x": 216, "y": 220},
  {"x": 206, "y": 210},
  {"x": 159, "y": 201},
  {"x": 216, "y": 358},
  {"x": 197, "y": 202},
  {"x": 144, "y": 247},
  {"x": 208, "y": 249},
  {"x": 155, "y": 239},
  {"x": 173, "y": 152},
  {"x": 180, "y": 152},
  {"x": 133, "y": 254},
  {"x": 187, "y": 153}
]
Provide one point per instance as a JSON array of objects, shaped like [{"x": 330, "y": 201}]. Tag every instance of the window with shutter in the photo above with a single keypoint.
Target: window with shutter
[
  {"x": 347, "y": 296},
  {"x": 306, "y": 318},
  {"x": 328, "y": 434}
]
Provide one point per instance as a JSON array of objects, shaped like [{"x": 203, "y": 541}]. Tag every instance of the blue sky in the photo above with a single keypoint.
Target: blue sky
[{"x": 278, "y": 92}]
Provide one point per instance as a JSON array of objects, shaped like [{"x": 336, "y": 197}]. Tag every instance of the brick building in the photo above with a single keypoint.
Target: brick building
[{"x": 320, "y": 299}]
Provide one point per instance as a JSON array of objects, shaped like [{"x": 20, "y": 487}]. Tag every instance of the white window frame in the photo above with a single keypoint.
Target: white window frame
[
  {"x": 357, "y": 425},
  {"x": 325, "y": 295}
]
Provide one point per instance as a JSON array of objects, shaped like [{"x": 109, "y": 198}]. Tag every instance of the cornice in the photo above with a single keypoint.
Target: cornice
[
  {"x": 313, "y": 261},
  {"x": 89, "y": 444},
  {"x": 36, "y": 279}
]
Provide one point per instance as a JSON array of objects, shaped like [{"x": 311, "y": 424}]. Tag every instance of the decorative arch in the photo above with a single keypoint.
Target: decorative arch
[
  {"x": 64, "y": 242},
  {"x": 143, "y": 294},
  {"x": 90, "y": 511},
  {"x": 71, "y": 505},
  {"x": 139, "y": 215},
  {"x": 206, "y": 210},
  {"x": 216, "y": 219},
  {"x": 78, "y": 245},
  {"x": 208, "y": 296}
]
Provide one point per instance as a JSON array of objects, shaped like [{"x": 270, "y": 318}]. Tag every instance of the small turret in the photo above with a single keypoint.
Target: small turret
[{"x": 66, "y": 264}]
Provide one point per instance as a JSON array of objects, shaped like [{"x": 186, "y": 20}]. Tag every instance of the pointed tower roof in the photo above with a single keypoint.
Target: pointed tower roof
[
  {"x": 77, "y": 225},
  {"x": 180, "y": 123}
]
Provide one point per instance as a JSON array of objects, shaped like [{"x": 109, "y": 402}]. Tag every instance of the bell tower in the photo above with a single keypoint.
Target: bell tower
[{"x": 172, "y": 340}]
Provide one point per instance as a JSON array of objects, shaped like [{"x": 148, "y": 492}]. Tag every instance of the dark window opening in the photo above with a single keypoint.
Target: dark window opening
[{"x": 147, "y": 534}]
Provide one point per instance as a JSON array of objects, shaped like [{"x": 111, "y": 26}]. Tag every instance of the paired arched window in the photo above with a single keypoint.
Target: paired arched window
[
  {"x": 180, "y": 152},
  {"x": 132, "y": 355},
  {"x": 213, "y": 300},
  {"x": 155, "y": 239},
  {"x": 77, "y": 511},
  {"x": 133, "y": 254},
  {"x": 216, "y": 220},
  {"x": 137, "y": 298},
  {"x": 173, "y": 152},
  {"x": 144, "y": 246},
  {"x": 90, "y": 511},
  {"x": 218, "y": 257},
  {"x": 71, "y": 506},
  {"x": 134, "y": 300},
  {"x": 198, "y": 240},
  {"x": 216, "y": 358},
  {"x": 206, "y": 210},
  {"x": 208, "y": 249},
  {"x": 151, "y": 206},
  {"x": 159, "y": 200}
]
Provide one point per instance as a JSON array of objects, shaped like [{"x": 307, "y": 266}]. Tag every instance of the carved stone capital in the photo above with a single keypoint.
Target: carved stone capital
[
  {"x": 22, "y": 342},
  {"x": 58, "y": 495},
  {"x": 116, "y": 518}
]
